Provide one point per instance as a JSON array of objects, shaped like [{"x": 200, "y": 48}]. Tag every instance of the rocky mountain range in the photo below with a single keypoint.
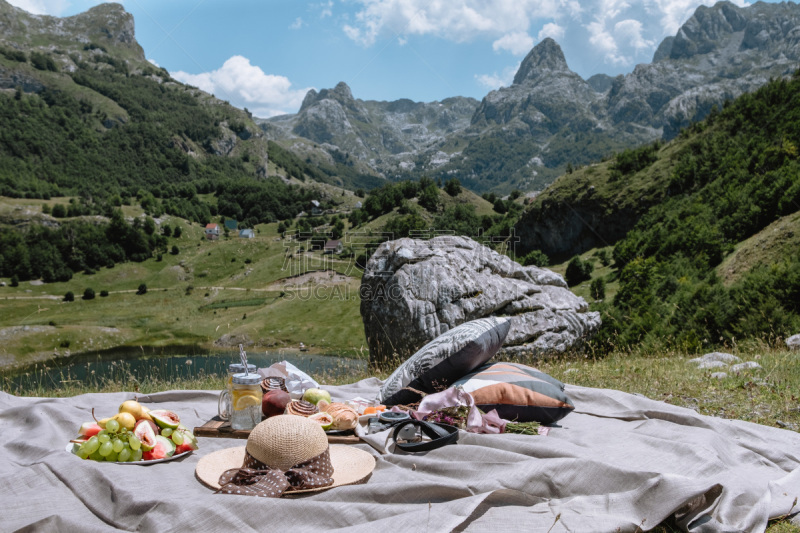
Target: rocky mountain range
[{"x": 525, "y": 135}]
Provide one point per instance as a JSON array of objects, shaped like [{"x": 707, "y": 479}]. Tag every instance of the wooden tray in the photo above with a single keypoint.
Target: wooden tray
[{"x": 217, "y": 427}]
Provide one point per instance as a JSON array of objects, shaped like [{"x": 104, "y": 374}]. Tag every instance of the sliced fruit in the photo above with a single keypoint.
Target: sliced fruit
[
  {"x": 150, "y": 423},
  {"x": 189, "y": 439},
  {"x": 323, "y": 419},
  {"x": 165, "y": 419},
  {"x": 314, "y": 395},
  {"x": 183, "y": 448},
  {"x": 168, "y": 443},
  {"x": 146, "y": 434},
  {"x": 89, "y": 429},
  {"x": 248, "y": 400},
  {"x": 164, "y": 448}
]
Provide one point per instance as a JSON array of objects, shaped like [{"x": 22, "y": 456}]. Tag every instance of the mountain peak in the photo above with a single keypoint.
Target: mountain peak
[
  {"x": 706, "y": 28},
  {"x": 342, "y": 90},
  {"x": 107, "y": 24},
  {"x": 341, "y": 93},
  {"x": 546, "y": 58}
]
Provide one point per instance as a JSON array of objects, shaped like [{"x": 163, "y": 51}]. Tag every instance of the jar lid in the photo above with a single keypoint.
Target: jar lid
[
  {"x": 236, "y": 368},
  {"x": 247, "y": 379},
  {"x": 392, "y": 417}
]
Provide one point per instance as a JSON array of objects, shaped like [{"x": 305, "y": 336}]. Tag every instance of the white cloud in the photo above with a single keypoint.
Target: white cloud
[
  {"x": 297, "y": 24},
  {"x": 631, "y": 30},
  {"x": 495, "y": 80},
  {"x": 517, "y": 43},
  {"x": 610, "y": 9},
  {"x": 42, "y": 7},
  {"x": 600, "y": 38},
  {"x": 605, "y": 43},
  {"x": 617, "y": 33},
  {"x": 153, "y": 62},
  {"x": 326, "y": 9},
  {"x": 552, "y": 30},
  {"x": 455, "y": 20},
  {"x": 246, "y": 85}
]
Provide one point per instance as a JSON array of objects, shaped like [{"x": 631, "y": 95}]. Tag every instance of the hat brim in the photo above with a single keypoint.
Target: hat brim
[{"x": 350, "y": 466}]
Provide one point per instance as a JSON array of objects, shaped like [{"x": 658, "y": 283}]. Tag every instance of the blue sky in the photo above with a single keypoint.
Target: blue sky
[{"x": 266, "y": 54}]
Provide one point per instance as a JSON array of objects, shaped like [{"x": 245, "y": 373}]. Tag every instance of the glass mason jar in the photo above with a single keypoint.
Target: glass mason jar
[
  {"x": 246, "y": 401},
  {"x": 225, "y": 406}
]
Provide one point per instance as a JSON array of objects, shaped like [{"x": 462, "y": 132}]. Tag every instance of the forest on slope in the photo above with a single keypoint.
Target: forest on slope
[{"x": 723, "y": 181}]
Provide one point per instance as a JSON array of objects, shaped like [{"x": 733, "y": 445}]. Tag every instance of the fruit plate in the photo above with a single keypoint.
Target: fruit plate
[{"x": 73, "y": 447}]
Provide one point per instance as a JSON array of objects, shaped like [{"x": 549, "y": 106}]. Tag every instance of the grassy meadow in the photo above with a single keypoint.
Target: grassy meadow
[{"x": 239, "y": 287}]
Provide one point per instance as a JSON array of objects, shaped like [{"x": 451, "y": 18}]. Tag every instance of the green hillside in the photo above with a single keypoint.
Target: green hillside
[
  {"x": 268, "y": 292},
  {"x": 697, "y": 263}
]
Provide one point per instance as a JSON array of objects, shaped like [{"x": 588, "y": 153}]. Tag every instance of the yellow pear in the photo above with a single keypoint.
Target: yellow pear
[
  {"x": 125, "y": 420},
  {"x": 133, "y": 407}
]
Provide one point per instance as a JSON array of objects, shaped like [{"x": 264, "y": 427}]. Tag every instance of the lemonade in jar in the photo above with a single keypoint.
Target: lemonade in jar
[
  {"x": 225, "y": 404},
  {"x": 246, "y": 401}
]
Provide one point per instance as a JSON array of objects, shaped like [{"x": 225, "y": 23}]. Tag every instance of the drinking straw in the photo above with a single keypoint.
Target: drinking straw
[{"x": 243, "y": 357}]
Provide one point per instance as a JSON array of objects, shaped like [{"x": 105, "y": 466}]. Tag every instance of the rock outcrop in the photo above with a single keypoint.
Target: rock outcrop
[
  {"x": 793, "y": 342},
  {"x": 412, "y": 291}
]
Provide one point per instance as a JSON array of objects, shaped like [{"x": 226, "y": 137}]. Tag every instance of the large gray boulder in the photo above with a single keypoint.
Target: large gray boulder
[
  {"x": 793, "y": 342},
  {"x": 413, "y": 291}
]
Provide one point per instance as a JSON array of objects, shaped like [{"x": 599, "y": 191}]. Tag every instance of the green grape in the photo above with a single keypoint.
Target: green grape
[
  {"x": 103, "y": 437},
  {"x": 96, "y": 456},
  {"x": 92, "y": 445},
  {"x": 112, "y": 457},
  {"x": 166, "y": 432},
  {"x": 177, "y": 437},
  {"x": 82, "y": 453},
  {"x": 124, "y": 455},
  {"x": 134, "y": 442},
  {"x": 137, "y": 455},
  {"x": 106, "y": 448},
  {"x": 112, "y": 426},
  {"x": 117, "y": 445}
]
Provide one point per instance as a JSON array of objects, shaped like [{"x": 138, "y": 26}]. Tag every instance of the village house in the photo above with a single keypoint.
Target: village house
[
  {"x": 333, "y": 247},
  {"x": 247, "y": 234},
  {"x": 212, "y": 231}
]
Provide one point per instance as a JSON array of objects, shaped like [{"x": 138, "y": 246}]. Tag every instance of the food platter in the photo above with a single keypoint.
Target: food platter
[
  {"x": 219, "y": 428},
  {"x": 73, "y": 447}
]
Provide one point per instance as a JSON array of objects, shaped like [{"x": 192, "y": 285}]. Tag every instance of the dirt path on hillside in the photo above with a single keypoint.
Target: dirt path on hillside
[{"x": 326, "y": 277}]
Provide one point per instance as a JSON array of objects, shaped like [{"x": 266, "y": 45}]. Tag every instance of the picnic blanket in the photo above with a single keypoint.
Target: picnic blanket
[{"x": 620, "y": 462}]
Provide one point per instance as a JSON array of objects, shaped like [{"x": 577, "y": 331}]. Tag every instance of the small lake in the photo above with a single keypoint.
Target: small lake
[{"x": 169, "y": 363}]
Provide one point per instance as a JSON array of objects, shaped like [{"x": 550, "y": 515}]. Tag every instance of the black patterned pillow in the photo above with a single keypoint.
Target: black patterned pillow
[{"x": 445, "y": 359}]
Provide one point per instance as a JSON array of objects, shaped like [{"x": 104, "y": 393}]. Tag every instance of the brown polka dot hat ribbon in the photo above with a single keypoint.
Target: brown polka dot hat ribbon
[{"x": 255, "y": 478}]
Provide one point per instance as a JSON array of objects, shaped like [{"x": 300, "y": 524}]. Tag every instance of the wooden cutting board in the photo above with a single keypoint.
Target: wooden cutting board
[{"x": 217, "y": 427}]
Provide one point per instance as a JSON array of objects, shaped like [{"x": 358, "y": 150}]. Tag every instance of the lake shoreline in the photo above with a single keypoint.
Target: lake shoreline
[{"x": 60, "y": 357}]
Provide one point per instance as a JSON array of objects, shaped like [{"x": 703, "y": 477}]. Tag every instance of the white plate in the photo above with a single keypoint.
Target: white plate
[{"x": 73, "y": 447}]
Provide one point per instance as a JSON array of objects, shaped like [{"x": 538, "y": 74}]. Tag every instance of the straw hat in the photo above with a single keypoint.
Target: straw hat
[{"x": 285, "y": 441}]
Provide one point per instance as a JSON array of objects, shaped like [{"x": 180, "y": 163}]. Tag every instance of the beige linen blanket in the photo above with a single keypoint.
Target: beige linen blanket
[{"x": 620, "y": 462}]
